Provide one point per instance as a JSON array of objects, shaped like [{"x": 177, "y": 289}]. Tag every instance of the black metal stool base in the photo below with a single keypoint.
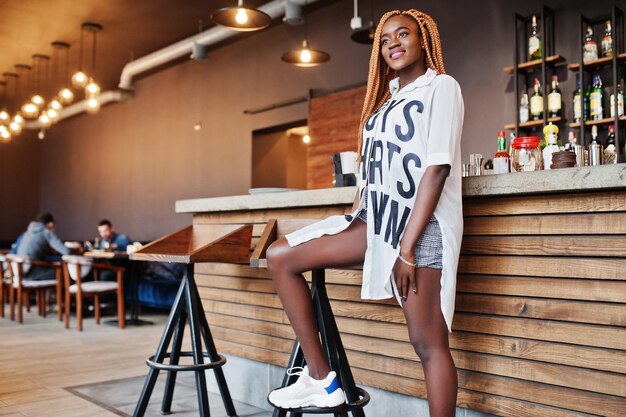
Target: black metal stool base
[
  {"x": 356, "y": 397},
  {"x": 187, "y": 307},
  {"x": 343, "y": 408}
]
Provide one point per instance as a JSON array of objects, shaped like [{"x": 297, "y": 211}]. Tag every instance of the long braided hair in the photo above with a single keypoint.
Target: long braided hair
[{"x": 380, "y": 74}]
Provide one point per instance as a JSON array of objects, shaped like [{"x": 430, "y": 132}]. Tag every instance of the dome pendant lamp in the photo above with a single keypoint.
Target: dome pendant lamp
[
  {"x": 360, "y": 33},
  {"x": 305, "y": 57},
  {"x": 241, "y": 18}
]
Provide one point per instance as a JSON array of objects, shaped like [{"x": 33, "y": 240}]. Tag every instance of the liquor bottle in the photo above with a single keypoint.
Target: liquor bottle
[
  {"x": 596, "y": 99},
  {"x": 501, "y": 161},
  {"x": 554, "y": 99},
  {"x": 607, "y": 41},
  {"x": 523, "y": 107},
  {"x": 595, "y": 148},
  {"x": 534, "y": 43},
  {"x": 586, "y": 100},
  {"x": 550, "y": 133},
  {"x": 620, "y": 102},
  {"x": 590, "y": 48},
  {"x": 571, "y": 141},
  {"x": 577, "y": 103},
  {"x": 536, "y": 102},
  {"x": 610, "y": 156}
]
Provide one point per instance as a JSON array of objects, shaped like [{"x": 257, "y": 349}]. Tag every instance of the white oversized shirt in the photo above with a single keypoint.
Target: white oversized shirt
[{"x": 419, "y": 126}]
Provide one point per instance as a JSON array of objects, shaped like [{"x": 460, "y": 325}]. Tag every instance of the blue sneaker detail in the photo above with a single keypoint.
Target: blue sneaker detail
[{"x": 334, "y": 386}]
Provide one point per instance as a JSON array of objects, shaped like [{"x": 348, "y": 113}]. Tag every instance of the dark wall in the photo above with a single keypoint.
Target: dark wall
[
  {"x": 19, "y": 184},
  {"x": 133, "y": 160}
]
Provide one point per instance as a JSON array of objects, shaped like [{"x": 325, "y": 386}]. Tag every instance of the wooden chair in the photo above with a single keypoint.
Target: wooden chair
[
  {"x": 5, "y": 282},
  {"x": 75, "y": 268},
  {"x": 21, "y": 288}
]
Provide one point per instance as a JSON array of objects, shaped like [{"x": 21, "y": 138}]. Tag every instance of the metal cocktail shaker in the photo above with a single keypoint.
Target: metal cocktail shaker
[
  {"x": 580, "y": 155},
  {"x": 476, "y": 161},
  {"x": 596, "y": 153}
]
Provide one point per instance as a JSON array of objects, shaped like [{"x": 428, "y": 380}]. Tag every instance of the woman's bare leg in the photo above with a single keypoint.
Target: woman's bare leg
[
  {"x": 286, "y": 265},
  {"x": 428, "y": 334}
]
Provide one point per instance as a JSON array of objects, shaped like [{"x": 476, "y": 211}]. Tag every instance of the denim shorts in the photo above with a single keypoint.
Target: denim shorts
[{"x": 429, "y": 247}]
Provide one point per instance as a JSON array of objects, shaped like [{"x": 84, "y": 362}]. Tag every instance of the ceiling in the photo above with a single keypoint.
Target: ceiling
[{"x": 131, "y": 29}]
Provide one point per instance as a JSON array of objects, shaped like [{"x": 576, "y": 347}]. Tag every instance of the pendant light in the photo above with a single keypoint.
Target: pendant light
[
  {"x": 5, "y": 135},
  {"x": 80, "y": 78},
  {"x": 92, "y": 89},
  {"x": 4, "y": 113},
  {"x": 22, "y": 73},
  {"x": 40, "y": 65},
  {"x": 93, "y": 105},
  {"x": 360, "y": 33},
  {"x": 241, "y": 18},
  {"x": 65, "y": 95},
  {"x": 28, "y": 110},
  {"x": 305, "y": 56},
  {"x": 17, "y": 121}
]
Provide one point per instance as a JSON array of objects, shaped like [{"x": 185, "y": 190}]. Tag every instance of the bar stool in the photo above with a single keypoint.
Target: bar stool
[
  {"x": 356, "y": 397},
  {"x": 198, "y": 243}
]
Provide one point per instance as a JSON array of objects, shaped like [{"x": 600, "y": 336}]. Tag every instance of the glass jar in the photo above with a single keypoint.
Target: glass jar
[{"x": 526, "y": 155}]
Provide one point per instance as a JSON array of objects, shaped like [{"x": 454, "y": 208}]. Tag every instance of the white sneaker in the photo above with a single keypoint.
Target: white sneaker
[{"x": 308, "y": 392}]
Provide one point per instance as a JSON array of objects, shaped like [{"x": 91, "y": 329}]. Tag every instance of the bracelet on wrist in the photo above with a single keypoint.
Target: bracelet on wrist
[{"x": 407, "y": 262}]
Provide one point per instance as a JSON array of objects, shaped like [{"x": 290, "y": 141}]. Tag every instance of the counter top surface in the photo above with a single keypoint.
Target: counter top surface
[
  {"x": 301, "y": 198},
  {"x": 604, "y": 177}
]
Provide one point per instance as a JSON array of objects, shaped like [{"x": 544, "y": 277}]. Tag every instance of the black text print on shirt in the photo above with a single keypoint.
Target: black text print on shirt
[{"x": 386, "y": 208}]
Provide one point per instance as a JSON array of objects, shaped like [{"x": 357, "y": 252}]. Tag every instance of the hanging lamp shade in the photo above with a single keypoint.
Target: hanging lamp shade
[
  {"x": 305, "y": 57},
  {"x": 241, "y": 18},
  {"x": 364, "y": 35}
]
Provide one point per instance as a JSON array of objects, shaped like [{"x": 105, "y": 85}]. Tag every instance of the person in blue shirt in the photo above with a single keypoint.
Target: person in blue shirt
[{"x": 109, "y": 239}]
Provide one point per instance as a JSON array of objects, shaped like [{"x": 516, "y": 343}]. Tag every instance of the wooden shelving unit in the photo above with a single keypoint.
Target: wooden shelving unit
[
  {"x": 536, "y": 63},
  {"x": 523, "y": 71},
  {"x": 612, "y": 66},
  {"x": 605, "y": 121},
  {"x": 534, "y": 123},
  {"x": 597, "y": 62}
]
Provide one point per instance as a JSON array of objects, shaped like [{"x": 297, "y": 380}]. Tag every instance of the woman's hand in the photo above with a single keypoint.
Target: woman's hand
[{"x": 404, "y": 275}]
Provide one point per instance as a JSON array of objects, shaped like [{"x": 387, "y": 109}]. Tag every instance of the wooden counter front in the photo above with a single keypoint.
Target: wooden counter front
[{"x": 540, "y": 321}]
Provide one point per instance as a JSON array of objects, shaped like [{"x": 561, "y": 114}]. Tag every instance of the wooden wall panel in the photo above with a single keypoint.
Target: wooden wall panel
[
  {"x": 333, "y": 127},
  {"x": 540, "y": 321}
]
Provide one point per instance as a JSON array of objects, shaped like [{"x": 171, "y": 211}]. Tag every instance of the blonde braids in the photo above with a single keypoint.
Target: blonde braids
[{"x": 380, "y": 74}]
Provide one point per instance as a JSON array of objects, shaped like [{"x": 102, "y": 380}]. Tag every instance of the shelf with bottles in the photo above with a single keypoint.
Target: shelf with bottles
[
  {"x": 535, "y": 63},
  {"x": 597, "y": 63},
  {"x": 535, "y": 123},
  {"x": 605, "y": 121},
  {"x": 599, "y": 98}
]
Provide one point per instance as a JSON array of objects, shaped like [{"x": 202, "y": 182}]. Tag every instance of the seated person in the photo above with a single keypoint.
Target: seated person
[
  {"x": 38, "y": 242},
  {"x": 16, "y": 244},
  {"x": 109, "y": 240}
]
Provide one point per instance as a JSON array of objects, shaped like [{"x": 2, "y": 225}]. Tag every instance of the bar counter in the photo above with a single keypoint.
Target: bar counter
[{"x": 540, "y": 321}]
